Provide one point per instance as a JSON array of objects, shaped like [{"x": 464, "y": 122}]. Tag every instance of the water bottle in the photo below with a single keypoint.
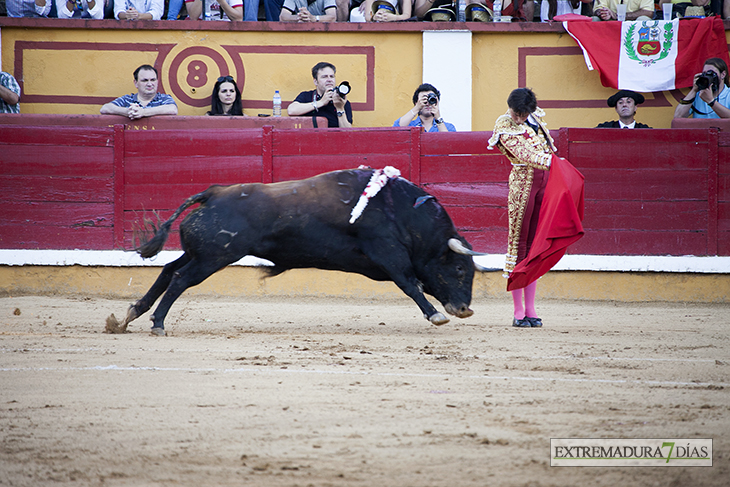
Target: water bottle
[
  {"x": 497, "y": 11},
  {"x": 277, "y": 104},
  {"x": 462, "y": 11}
]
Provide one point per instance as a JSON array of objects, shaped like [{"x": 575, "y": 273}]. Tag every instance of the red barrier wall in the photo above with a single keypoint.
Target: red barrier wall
[{"x": 648, "y": 192}]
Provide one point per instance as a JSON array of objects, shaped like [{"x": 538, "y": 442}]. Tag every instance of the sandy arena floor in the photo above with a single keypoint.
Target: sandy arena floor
[{"x": 332, "y": 392}]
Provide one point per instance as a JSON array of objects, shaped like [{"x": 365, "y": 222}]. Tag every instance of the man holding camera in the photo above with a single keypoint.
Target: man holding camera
[
  {"x": 425, "y": 112},
  {"x": 710, "y": 93},
  {"x": 326, "y": 100}
]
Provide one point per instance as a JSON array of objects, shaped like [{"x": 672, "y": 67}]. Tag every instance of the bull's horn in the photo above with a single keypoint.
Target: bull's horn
[{"x": 458, "y": 247}]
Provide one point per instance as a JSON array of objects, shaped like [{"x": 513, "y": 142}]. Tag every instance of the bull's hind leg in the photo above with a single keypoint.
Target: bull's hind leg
[
  {"x": 145, "y": 303},
  {"x": 192, "y": 274},
  {"x": 161, "y": 283}
]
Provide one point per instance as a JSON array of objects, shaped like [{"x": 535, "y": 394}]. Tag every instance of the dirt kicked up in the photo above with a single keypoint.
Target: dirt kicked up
[{"x": 333, "y": 392}]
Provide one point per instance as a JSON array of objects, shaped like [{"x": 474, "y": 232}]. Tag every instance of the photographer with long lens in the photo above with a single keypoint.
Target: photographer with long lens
[
  {"x": 710, "y": 93},
  {"x": 425, "y": 112}
]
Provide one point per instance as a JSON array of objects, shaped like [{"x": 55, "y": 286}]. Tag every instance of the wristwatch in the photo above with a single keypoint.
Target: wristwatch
[
  {"x": 439, "y": 121},
  {"x": 340, "y": 113},
  {"x": 712, "y": 103}
]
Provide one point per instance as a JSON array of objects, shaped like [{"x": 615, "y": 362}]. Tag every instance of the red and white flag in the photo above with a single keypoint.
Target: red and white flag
[{"x": 651, "y": 55}]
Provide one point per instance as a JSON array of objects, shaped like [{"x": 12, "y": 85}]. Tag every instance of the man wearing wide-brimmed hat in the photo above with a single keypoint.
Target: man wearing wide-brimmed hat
[{"x": 625, "y": 102}]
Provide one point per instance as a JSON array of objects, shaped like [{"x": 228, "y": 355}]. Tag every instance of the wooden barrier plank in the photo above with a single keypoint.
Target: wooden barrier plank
[
  {"x": 667, "y": 216},
  {"x": 645, "y": 184},
  {"x": 491, "y": 242},
  {"x": 625, "y": 242},
  {"x": 619, "y": 156},
  {"x": 13, "y": 236},
  {"x": 56, "y": 160},
  {"x": 57, "y": 214},
  {"x": 64, "y": 136},
  {"x": 205, "y": 143},
  {"x": 160, "y": 197},
  {"x": 287, "y": 168},
  {"x": 456, "y": 143},
  {"x": 464, "y": 168},
  {"x": 469, "y": 194},
  {"x": 477, "y": 219},
  {"x": 54, "y": 188},
  {"x": 182, "y": 170},
  {"x": 341, "y": 141}
]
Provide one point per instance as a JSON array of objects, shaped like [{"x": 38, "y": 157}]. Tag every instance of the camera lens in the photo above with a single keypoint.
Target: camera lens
[
  {"x": 703, "y": 82},
  {"x": 344, "y": 88},
  {"x": 707, "y": 79},
  {"x": 432, "y": 99}
]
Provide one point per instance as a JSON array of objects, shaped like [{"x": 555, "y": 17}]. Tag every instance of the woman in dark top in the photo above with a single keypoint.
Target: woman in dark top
[{"x": 226, "y": 97}]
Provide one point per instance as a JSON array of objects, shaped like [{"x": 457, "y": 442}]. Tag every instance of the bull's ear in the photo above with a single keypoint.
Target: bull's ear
[{"x": 458, "y": 247}]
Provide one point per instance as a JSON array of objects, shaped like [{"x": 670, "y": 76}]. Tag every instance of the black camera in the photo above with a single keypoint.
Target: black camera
[
  {"x": 707, "y": 79},
  {"x": 343, "y": 89},
  {"x": 432, "y": 99}
]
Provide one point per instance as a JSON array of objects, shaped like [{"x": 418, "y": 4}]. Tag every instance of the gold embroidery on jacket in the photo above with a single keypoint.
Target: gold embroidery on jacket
[{"x": 527, "y": 151}]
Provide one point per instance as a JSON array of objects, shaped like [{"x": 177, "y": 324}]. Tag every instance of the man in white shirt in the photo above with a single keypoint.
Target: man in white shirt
[
  {"x": 625, "y": 102},
  {"x": 220, "y": 9},
  {"x": 139, "y": 9}
]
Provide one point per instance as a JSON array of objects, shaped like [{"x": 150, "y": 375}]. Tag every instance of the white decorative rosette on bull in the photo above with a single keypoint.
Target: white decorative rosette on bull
[{"x": 379, "y": 179}]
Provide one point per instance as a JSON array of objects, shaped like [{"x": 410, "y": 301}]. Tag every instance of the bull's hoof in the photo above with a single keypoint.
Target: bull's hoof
[
  {"x": 158, "y": 331},
  {"x": 438, "y": 319}
]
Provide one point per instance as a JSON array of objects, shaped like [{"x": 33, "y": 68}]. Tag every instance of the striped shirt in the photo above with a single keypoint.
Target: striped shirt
[
  {"x": 159, "y": 100},
  {"x": 9, "y": 82}
]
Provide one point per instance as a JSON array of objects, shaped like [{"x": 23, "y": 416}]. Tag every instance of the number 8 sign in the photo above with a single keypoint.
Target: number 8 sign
[{"x": 197, "y": 66}]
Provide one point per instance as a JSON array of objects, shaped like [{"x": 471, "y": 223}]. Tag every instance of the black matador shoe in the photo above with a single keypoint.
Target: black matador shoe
[
  {"x": 534, "y": 322},
  {"x": 523, "y": 323}
]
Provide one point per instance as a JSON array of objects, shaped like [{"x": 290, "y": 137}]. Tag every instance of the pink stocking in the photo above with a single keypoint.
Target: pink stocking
[
  {"x": 530, "y": 300},
  {"x": 519, "y": 307}
]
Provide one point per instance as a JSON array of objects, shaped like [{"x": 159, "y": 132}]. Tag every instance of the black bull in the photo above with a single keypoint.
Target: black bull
[{"x": 403, "y": 235}]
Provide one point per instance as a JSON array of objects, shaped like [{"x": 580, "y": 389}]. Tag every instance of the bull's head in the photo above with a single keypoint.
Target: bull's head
[{"x": 449, "y": 278}]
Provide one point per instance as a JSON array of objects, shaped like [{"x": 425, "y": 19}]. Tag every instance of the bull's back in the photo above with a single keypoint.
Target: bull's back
[{"x": 274, "y": 216}]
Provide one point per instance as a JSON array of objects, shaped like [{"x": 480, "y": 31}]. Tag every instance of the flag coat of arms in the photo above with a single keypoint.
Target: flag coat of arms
[{"x": 650, "y": 55}]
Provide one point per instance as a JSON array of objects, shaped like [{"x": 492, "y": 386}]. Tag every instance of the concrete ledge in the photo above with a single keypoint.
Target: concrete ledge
[{"x": 243, "y": 281}]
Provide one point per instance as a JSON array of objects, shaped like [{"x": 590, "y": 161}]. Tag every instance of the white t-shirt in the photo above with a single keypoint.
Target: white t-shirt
[{"x": 216, "y": 12}]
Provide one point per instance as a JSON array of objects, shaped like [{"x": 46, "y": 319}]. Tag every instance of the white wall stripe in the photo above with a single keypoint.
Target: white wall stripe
[{"x": 620, "y": 263}]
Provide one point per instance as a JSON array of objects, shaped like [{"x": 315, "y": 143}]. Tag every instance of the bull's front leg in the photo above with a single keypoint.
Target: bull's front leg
[
  {"x": 410, "y": 285},
  {"x": 396, "y": 264},
  {"x": 413, "y": 288}
]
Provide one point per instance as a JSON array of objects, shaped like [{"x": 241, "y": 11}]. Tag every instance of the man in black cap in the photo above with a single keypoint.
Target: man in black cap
[{"x": 625, "y": 102}]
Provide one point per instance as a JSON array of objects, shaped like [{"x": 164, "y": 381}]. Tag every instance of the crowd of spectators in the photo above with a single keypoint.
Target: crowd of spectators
[{"x": 349, "y": 10}]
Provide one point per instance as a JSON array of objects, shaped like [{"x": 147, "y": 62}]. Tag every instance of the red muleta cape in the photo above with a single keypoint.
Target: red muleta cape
[{"x": 559, "y": 225}]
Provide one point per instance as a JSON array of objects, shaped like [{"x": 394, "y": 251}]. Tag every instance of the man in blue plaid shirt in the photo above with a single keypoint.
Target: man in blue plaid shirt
[
  {"x": 9, "y": 93},
  {"x": 28, "y": 8},
  {"x": 147, "y": 102}
]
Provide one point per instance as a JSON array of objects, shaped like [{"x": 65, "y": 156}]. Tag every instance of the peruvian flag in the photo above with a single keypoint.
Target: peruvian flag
[{"x": 651, "y": 55}]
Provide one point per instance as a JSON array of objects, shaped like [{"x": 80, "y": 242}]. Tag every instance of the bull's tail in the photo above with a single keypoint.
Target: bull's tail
[{"x": 153, "y": 246}]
